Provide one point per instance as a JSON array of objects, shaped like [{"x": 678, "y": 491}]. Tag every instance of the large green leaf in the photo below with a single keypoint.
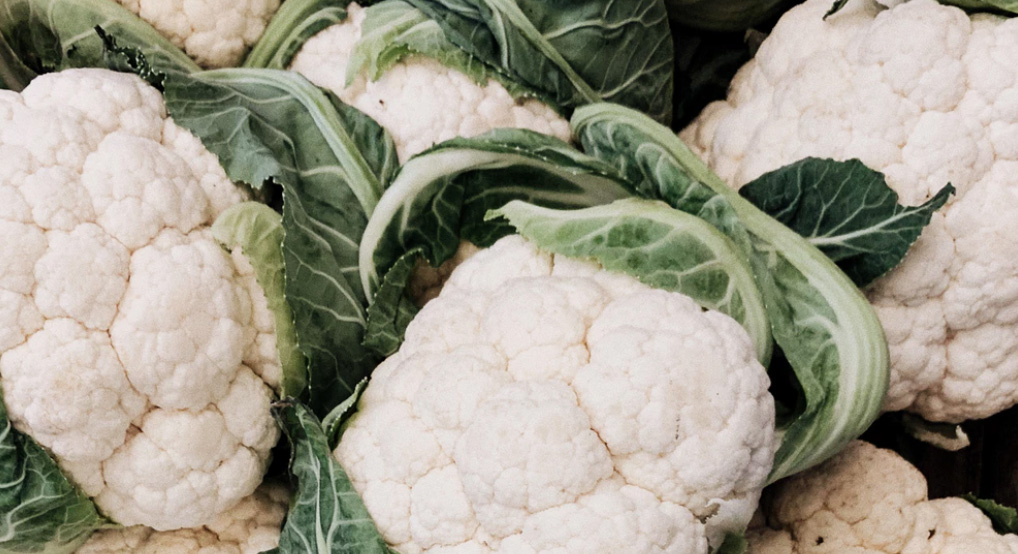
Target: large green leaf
[
  {"x": 444, "y": 193},
  {"x": 574, "y": 52},
  {"x": 291, "y": 26},
  {"x": 327, "y": 516},
  {"x": 846, "y": 210},
  {"x": 50, "y": 35},
  {"x": 662, "y": 247},
  {"x": 824, "y": 325},
  {"x": 40, "y": 509},
  {"x": 332, "y": 162},
  {"x": 258, "y": 231}
]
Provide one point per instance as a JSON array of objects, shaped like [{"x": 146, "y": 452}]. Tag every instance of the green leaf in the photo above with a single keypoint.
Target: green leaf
[
  {"x": 332, "y": 162},
  {"x": 824, "y": 325},
  {"x": 392, "y": 309},
  {"x": 333, "y": 422},
  {"x": 725, "y": 15},
  {"x": 291, "y": 26},
  {"x": 1007, "y": 8},
  {"x": 574, "y": 53},
  {"x": 14, "y": 75},
  {"x": 846, "y": 210},
  {"x": 395, "y": 29},
  {"x": 1004, "y": 518},
  {"x": 42, "y": 510},
  {"x": 50, "y": 35},
  {"x": 705, "y": 64},
  {"x": 662, "y": 247},
  {"x": 258, "y": 231},
  {"x": 733, "y": 544},
  {"x": 444, "y": 193},
  {"x": 327, "y": 516}
]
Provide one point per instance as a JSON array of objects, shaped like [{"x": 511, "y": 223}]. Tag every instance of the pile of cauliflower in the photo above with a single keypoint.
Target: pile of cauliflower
[
  {"x": 543, "y": 404},
  {"x": 132, "y": 346}
]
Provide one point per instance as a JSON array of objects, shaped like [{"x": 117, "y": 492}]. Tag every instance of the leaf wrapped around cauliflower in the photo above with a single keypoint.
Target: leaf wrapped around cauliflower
[
  {"x": 133, "y": 348},
  {"x": 868, "y": 500},
  {"x": 542, "y": 402},
  {"x": 924, "y": 94}
]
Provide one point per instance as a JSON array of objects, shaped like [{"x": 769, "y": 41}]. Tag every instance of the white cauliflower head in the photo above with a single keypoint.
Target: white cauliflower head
[
  {"x": 926, "y": 95},
  {"x": 132, "y": 344},
  {"x": 543, "y": 404},
  {"x": 419, "y": 101},
  {"x": 869, "y": 500},
  {"x": 251, "y": 527},
  {"x": 215, "y": 33}
]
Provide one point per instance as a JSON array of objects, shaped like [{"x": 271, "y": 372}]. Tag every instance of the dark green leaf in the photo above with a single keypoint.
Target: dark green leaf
[
  {"x": 835, "y": 7},
  {"x": 705, "y": 64},
  {"x": 846, "y": 210},
  {"x": 1004, "y": 518},
  {"x": 327, "y": 517},
  {"x": 391, "y": 310},
  {"x": 291, "y": 26},
  {"x": 574, "y": 52},
  {"x": 50, "y": 35},
  {"x": 332, "y": 162},
  {"x": 14, "y": 75},
  {"x": 42, "y": 510}
]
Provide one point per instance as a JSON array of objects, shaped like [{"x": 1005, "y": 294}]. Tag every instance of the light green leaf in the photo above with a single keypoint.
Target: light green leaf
[
  {"x": 391, "y": 310},
  {"x": 846, "y": 210},
  {"x": 394, "y": 29},
  {"x": 332, "y": 162},
  {"x": 333, "y": 422},
  {"x": 50, "y": 35},
  {"x": 662, "y": 247},
  {"x": 327, "y": 517},
  {"x": 258, "y": 231},
  {"x": 42, "y": 511},
  {"x": 824, "y": 325},
  {"x": 1004, "y": 518},
  {"x": 291, "y": 26},
  {"x": 444, "y": 193},
  {"x": 733, "y": 544},
  {"x": 573, "y": 53}
]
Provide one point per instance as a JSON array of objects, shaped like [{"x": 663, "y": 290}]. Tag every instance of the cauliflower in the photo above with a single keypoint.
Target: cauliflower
[
  {"x": 133, "y": 347},
  {"x": 869, "y": 501},
  {"x": 927, "y": 95},
  {"x": 250, "y": 527},
  {"x": 215, "y": 33},
  {"x": 543, "y": 404},
  {"x": 419, "y": 101}
]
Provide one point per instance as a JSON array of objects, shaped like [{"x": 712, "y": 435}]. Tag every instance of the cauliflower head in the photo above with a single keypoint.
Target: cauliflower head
[
  {"x": 927, "y": 95},
  {"x": 215, "y": 33},
  {"x": 869, "y": 500},
  {"x": 251, "y": 527},
  {"x": 132, "y": 347},
  {"x": 543, "y": 404},
  {"x": 419, "y": 101}
]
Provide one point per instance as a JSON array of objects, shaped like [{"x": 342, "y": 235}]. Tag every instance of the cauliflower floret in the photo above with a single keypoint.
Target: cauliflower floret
[
  {"x": 216, "y": 33},
  {"x": 419, "y": 101},
  {"x": 250, "y": 527},
  {"x": 560, "y": 408},
  {"x": 868, "y": 500},
  {"x": 126, "y": 327},
  {"x": 926, "y": 95}
]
